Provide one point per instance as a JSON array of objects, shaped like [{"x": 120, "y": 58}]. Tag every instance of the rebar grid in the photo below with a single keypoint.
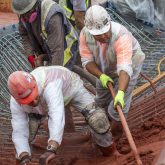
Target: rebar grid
[
  {"x": 11, "y": 59},
  {"x": 151, "y": 44}
]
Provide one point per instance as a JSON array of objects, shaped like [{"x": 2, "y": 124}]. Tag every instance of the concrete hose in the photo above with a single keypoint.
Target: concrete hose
[{"x": 84, "y": 74}]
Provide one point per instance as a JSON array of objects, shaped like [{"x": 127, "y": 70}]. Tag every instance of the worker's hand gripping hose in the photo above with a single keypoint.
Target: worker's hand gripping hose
[
  {"x": 104, "y": 80},
  {"x": 119, "y": 99}
]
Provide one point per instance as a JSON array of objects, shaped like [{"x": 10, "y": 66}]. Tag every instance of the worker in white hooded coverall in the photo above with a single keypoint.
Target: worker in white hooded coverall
[
  {"x": 46, "y": 90},
  {"x": 110, "y": 52}
]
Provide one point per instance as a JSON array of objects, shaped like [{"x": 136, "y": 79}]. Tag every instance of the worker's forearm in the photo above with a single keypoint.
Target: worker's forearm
[
  {"x": 57, "y": 58},
  {"x": 123, "y": 80},
  {"x": 55, "y": 39},
  {"x": 93, "y": 69},
  {"x": 28, "y": 49},
  {"x": 79, "y": 19}
]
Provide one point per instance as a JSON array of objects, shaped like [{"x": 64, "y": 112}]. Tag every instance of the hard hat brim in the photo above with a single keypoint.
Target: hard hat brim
[
  {"x": 100, "y": 31},
  {"x": 25, "y": 10},
  {"x": 30, "y": 98}
]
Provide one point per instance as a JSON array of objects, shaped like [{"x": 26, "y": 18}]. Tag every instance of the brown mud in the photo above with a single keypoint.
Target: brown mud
[
  {"x": 5, "y": 5},
  {"x": 78, "y": 149}
]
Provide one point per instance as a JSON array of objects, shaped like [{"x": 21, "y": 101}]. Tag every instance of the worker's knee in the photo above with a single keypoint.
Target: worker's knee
[
  {"x": 34, "y": 122},
  {"x": 97, "y": 119}
]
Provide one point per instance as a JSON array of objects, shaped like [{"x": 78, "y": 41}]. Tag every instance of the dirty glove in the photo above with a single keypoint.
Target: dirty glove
[
  {"x": 104, "y": 80},
  {"x": 39, "y": 61},
  {"x": 25, "y": 160},
  {"x": 119, "y": 99},
  {"x": 47, "y": 156},
  {"x": 36, "y": 61}
]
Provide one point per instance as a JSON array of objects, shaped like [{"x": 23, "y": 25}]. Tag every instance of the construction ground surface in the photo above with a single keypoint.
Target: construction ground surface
[{"x": 146, "y": 118}]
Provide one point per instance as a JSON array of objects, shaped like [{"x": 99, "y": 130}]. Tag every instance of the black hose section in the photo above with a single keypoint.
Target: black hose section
[{"x": 84, "y": 74}]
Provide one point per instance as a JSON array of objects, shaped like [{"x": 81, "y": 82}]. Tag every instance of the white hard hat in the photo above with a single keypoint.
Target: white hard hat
[{"x": 97, "y": 20}]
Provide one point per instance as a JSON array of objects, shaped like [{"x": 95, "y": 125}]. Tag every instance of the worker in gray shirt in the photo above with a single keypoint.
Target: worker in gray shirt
[{"x": 46, "y": 33}]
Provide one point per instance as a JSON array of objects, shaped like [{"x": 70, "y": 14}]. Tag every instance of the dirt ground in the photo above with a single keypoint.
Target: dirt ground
[
  {"x": 78, "y": 149},
  {"x": 147, "y": 123}
]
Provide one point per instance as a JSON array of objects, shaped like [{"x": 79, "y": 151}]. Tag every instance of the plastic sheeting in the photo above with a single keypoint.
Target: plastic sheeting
[
  {"x": 151, "y": 12},
  {"x": 159, "y": 13},
  {"x": 97, "y": 2}
]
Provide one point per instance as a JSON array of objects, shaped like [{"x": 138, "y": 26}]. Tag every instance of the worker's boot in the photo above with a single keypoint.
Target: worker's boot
[
  {"x": 109, "y": 151},
  {"x": 116, "y": 129},
  {"x": 34, "y": 123}
]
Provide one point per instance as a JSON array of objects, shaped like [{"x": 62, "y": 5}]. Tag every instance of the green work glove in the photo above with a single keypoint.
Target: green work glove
[
  {"x": 104, "y": 80},
  {"x": 119, "y": 99}
]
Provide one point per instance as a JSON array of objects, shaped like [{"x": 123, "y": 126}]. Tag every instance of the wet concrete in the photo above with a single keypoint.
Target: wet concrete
[
  {"x": 78, "y": 149},
  {"x": 146, "y": 120}
]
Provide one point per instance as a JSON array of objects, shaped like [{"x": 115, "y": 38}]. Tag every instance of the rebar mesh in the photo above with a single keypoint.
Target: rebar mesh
[
  {"x": 11, "y": 59},
  {"x": 151, "y": 44}
]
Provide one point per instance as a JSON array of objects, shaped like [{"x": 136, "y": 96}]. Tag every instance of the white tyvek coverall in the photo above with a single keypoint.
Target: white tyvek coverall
[{"x": 57, "y": 87}]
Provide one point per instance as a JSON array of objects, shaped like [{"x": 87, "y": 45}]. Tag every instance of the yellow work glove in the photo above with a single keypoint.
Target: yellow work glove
[
  {"x": 119, "y": 99},
  {"x": 104, "y": 80}
]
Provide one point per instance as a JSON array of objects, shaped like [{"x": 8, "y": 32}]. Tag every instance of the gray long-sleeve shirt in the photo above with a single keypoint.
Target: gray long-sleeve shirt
[{"x": 55, "y": 38}]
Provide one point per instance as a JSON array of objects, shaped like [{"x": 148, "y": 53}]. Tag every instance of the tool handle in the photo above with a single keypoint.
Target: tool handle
[{"x": 126, "y": 128}]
